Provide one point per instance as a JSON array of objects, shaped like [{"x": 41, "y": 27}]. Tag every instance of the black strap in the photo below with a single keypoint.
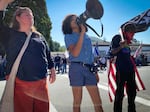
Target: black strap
[
  {"x": 94, "y": 29},
  {"x": 81, "y": 63}
]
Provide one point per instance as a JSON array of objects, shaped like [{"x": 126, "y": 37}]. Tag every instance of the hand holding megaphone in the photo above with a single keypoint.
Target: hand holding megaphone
[
  {"x": 4, "y": 3},
  {"x": 82, "y": 28}
]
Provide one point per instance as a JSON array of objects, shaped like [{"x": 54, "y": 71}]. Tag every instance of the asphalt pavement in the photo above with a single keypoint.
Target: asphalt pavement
[{"x": 61, "y": 94}]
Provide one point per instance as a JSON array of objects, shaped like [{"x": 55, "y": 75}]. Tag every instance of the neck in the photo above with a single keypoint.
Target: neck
[
  {"x": 76, "y": 30},
  {"x": 27, "y": 31}
]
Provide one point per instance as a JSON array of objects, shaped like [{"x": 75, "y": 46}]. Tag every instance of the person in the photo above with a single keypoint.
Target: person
[
  {"x": 57, "y": 61},
  {"x": 30, "y": 91},
  {"x": 124, "y": 69},
  {"x": 103, "y": 63},
  {"x": 81, "y": 57},
  {"x": 2, "y": 67},
  {"x": 64, "y": 65}
]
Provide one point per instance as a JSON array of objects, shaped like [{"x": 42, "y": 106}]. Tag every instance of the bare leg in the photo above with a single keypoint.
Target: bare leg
[
  {"x": 77, "y": 98},
  {"x": 96, "y": 99}
]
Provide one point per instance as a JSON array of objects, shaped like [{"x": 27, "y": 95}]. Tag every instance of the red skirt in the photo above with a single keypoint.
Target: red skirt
[{"x": 31, "y": 96}]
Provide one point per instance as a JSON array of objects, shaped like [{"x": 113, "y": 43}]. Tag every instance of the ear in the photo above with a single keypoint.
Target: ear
[{"x": 18, "y": 18}]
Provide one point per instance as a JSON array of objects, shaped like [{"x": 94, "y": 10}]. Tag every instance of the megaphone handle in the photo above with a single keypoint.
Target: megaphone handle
[
  {"x": 94, "y": 30},
  {"x": 102, "y": 29}
]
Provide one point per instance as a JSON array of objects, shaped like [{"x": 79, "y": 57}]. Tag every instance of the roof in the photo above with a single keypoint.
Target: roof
[{"x": 99, "y": 41}]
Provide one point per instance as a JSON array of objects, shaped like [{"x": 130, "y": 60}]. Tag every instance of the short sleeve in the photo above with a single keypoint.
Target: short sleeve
[{"x": 69, "y": 40}]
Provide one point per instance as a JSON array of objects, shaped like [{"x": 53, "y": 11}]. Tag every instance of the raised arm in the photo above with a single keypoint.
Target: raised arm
[
  {"x": 4, "y": 31},
  {"x": 4, "y": 4},
  {"x": 122, "y": 45}
]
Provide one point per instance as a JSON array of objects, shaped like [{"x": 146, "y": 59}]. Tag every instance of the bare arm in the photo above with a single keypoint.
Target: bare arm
[
  {"x": 52, "y": 77},
  {"x": 116, "y": 50},
  {"x": 4, "y": 4}
]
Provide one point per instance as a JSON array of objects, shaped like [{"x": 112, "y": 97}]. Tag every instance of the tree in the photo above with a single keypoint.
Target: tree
[
  {"x": 56, "y": 46},
  {"x": 42, "y": 20},
  {"x": 62, "y": 49}
]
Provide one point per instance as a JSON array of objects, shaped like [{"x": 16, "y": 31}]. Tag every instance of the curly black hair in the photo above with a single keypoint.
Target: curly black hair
[{"x": 66, "y": 25}]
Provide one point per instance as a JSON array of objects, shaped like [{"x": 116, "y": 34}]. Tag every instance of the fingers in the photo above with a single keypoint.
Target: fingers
[
  {"x": 52, "y": 76},
  {"x": 97, "y": 77},
  {"x": 52, "y": 80},
  {"x": 83, "y": 28}
]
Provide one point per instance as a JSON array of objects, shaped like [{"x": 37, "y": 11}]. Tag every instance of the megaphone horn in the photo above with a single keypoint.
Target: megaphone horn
[{"x": 94, "y": 9}]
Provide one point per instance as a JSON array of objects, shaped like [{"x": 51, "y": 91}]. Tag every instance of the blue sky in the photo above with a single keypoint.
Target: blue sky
[{"x": 116, "y": 12}]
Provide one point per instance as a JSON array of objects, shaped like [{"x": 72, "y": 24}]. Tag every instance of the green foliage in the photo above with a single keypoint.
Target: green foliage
[
  {"x": 62, "y": 49},
  {"x": 42, "y": 20},
  {"x": 43, "y": 23},
  {"x": 56, "y": 46}
]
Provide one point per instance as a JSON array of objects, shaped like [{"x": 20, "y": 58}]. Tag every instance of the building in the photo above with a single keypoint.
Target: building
[{"x": 103, "y": 47}]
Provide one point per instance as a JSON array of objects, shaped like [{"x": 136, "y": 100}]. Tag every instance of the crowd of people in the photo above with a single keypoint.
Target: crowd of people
[
  {"x": 60, "y": 63},
  {"x": 101, "y": 61},
  {"x": 141, "y": 60}
]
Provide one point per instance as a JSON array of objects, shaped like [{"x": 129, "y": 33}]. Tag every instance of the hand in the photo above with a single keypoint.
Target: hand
[
  {"x": 4, "y": 3},
  {"x": 52, "y": 77},
  {"x": 123, "y": 43},
  {"x": 83, "y": 28},
  {"x": 97, "y": 77},
  {"x": 7, "y": 1}
]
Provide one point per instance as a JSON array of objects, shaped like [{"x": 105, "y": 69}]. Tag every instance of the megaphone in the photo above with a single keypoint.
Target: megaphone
[{"x": 94, "y": 10}]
